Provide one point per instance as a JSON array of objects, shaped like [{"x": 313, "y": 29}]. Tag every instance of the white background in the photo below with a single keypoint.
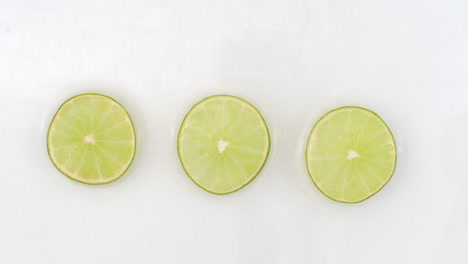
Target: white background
[{"x": 295, "y": 60}]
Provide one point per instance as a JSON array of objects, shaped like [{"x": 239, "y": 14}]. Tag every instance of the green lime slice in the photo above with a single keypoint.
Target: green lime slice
[
  {"x": 91, "y": 139},
  {"x": 223, "y": 143},
  {"x": 350, "y": 154}
]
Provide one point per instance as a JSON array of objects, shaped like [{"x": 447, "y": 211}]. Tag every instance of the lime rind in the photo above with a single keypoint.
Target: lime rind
[
  {"x": 74, "y": 176},
  {"x": 180, "y": 137},
  {"x": 307, "y": 152}
]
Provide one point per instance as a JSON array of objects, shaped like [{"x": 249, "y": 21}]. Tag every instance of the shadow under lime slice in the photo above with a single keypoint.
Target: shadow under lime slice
[
  {"x": 350, "y": 154},
  {"x": 91, "y": 139},
  {"x": 223, "y": 143}
]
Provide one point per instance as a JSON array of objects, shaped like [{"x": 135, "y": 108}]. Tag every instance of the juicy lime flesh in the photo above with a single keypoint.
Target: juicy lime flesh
[
  {"x": 223, "y": 143},
  {"x": 91, "y": 139},
  {"x": 350, "y": 154}
]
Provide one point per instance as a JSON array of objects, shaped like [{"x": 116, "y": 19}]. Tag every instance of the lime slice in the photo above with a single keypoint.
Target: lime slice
[
  {"x": 91, "y": 139},
  {"x": 223, "y": 143},
  {"x": 350, "y": 154}
]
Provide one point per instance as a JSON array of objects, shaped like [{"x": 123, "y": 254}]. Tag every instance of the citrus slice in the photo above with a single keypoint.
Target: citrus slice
[
  {"x": 350, "y": 154},
  {"x": 223, "y": 143},
  {"x": 91, "y": 139}
]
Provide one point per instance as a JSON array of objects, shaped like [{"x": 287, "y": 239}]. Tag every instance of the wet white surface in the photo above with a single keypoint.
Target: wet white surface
[{"x": 294, "y": 60}]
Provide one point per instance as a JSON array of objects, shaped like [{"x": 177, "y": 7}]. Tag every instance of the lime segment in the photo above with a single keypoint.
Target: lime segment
[
  {"x": 91, "y": 139},
  {"x": 223, "y": 143},
  {"x": 351, "y": 154}
]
